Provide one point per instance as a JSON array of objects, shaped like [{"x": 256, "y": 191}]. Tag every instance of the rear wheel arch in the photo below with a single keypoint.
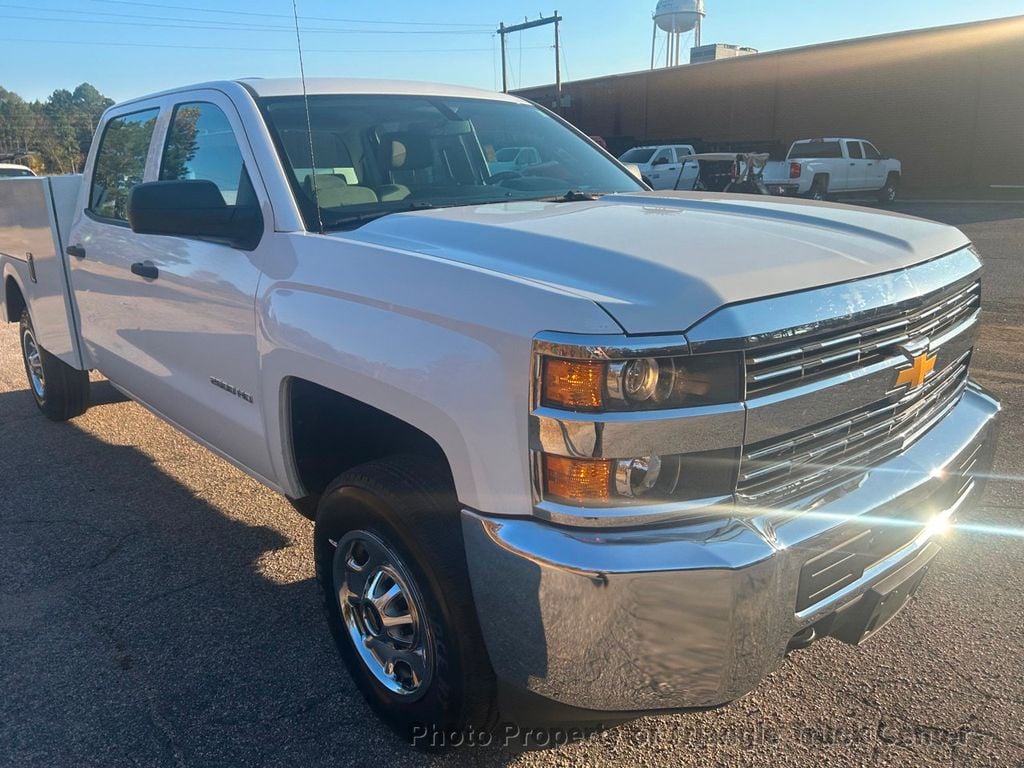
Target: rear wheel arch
[{"x": 14, "y": 300}]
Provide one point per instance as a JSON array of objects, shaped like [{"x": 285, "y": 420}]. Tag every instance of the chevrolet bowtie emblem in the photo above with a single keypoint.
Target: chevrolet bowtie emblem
[{"x": 918, "y": 372}]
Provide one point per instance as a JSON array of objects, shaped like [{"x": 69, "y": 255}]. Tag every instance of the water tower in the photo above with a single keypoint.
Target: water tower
[{"x": 676, "y": 18}]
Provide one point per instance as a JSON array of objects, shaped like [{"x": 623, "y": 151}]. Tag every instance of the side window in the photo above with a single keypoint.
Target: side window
[
  {"x": 120, "y": 163},
  {"x": 201, "y": 145},
  {"x": 853, "y": 147},
  {"x": 870, "y": 152},
  {"x": 682, "y": 152},
  {"x": 663, "y": 156}
]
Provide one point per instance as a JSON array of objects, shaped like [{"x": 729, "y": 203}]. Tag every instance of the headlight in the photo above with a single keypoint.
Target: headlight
[
  {"x": 640, "y": 383},
  {"x": 642, "y": 480},
  {"x": 573, "y": 465}
]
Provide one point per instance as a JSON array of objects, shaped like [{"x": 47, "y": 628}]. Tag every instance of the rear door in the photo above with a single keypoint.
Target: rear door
[
  {"x": 689, "y": 168},
  {"x": 857, "y": 178},
  {"x": 102, "y": 248}
]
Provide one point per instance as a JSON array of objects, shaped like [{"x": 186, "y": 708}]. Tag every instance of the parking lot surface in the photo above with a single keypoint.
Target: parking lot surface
[{"x": 158, "y": 607}]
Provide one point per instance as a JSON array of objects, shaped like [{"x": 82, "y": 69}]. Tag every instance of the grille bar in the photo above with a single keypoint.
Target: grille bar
[
  {"x": 774, "y": 471},
  {"x": 781, "y": 366}
]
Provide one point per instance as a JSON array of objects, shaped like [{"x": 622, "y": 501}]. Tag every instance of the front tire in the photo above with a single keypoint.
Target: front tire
[
  {"x": 60, "y": 391},
  {"x": 392, "y": 570}
]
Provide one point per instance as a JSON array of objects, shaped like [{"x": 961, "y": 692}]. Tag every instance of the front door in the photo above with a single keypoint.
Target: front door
[
  {"x": 198, "y": 315},
  {"x": 664, "y": 169}
]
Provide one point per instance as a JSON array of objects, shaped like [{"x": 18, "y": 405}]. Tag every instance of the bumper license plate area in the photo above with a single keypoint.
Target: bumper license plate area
[{"x": 863, "y": 619}]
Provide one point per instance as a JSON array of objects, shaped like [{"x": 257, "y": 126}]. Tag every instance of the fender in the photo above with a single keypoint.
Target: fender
[{"x": 454, "y": 361}]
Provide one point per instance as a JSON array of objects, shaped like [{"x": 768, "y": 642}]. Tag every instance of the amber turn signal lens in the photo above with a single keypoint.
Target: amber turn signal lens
[
  {"x": 577, "y": 480},
  {"x": 573, "y": 383}
]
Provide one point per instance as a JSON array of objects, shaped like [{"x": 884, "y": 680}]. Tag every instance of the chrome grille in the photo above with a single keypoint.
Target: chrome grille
[
  {"x": 797, "y": 464},
  {"x": 780, "y": 366}
]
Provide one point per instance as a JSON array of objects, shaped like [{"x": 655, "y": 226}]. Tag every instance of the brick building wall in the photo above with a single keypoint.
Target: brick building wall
[{"x": 947, "y": 101}]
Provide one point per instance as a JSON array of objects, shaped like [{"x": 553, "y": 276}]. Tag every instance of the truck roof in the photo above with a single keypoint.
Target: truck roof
[
  {"x": 829, "y": 138},
  {"x": 293, "y": 86}
]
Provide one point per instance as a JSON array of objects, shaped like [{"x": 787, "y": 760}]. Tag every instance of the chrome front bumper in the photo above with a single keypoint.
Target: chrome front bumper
[{"x": 698, "y": 613}]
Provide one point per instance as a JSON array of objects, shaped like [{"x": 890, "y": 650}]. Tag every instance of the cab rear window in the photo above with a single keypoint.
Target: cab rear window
[{"x": 808, "y": 150}]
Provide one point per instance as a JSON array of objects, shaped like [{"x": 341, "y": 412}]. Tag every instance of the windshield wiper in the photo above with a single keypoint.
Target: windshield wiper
[
  {"x": 572, "y": 196},
  {"x": 353, "y": 220}
]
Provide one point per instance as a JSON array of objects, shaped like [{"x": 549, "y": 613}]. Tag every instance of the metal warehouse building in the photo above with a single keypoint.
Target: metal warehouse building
[{"x": 947, "y": 101}]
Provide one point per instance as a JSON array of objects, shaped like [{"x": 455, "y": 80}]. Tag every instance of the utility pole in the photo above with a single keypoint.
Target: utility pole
[
  {"x": 503, "y": 31},
  {"x": 558, "y": 67},
  {"x": 504, "y": 68}
]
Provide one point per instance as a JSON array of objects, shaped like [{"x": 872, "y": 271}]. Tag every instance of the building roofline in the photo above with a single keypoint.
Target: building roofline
[{"x": 850, "y": 41}]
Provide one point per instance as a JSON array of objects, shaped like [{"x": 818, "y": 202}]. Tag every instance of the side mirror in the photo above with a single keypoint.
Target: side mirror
[{"x": 193, "y": 208}]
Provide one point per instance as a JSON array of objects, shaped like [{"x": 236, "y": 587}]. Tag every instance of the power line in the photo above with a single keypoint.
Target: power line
[
  {"x": 223, "y": 25},
  {"x": 250, "y": 48},
  {"x": 233, "y": 12}
]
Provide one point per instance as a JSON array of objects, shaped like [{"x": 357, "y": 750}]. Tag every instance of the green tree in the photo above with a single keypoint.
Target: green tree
[{"x": 57, "y": 131}]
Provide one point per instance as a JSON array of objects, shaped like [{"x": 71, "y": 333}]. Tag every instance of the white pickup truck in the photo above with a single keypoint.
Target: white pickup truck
[
  {"x": 573, "y": 446},
  {"x": 832, "y": 167},
  {"x": 664, "y": 167}
]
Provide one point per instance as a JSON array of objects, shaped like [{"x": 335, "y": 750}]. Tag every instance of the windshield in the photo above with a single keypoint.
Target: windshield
[
  {"x": 638, "y": 155},
  {"x": 377, "y": 154}
]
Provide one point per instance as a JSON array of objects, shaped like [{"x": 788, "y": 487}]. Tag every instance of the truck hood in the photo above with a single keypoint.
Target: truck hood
[{"x": 661, "y": 261}]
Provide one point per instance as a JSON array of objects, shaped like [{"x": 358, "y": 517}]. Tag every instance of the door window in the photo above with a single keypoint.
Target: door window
[
  {"x": 120, "y": 163},
  {"x": 870, "y": 152},
  {"x": 853, "y": 147},
  {"x": 201, "y": 145},
  {"x": 682, "y": 152},
  {"x": 664, "y": 156}
]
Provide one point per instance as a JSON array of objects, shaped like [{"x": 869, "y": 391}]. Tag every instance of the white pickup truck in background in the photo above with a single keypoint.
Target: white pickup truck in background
[
  {"x": 831, "y": 167},
  {"x": 572, "y": 444},
  {"x": 664, "y": 166}
]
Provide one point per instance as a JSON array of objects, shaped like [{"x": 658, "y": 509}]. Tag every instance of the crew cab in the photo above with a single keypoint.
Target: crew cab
[
  {"x": 664, "y": 167},
  {"x": 832, "y": 167},
  {"x": 573, "y": 446}
]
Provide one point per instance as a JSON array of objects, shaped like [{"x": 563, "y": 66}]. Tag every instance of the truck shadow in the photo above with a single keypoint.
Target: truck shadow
[{"x": 141, "y": 622}]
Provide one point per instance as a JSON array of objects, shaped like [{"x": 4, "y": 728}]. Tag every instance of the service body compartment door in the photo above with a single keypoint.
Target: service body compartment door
[{"x": 34, "y": 211}]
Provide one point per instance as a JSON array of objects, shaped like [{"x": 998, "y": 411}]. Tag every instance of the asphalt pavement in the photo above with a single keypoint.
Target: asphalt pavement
[{"x": 158, "y": 608}]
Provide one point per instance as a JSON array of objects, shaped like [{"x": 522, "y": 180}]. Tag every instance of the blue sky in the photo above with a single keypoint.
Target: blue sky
[{"x": 131, "y": 47}]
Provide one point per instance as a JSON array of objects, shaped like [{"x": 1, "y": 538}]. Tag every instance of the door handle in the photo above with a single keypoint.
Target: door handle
[
  {"x": 852, "y": 163},
  {"x": 145, "y": 269},
  {"x": 77, "y": 251}
]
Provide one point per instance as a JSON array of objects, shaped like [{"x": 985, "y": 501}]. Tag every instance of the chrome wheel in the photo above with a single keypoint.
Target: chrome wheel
[
  {"x": 33, "y": 364},
  {"x": 383, "y": 613}
]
